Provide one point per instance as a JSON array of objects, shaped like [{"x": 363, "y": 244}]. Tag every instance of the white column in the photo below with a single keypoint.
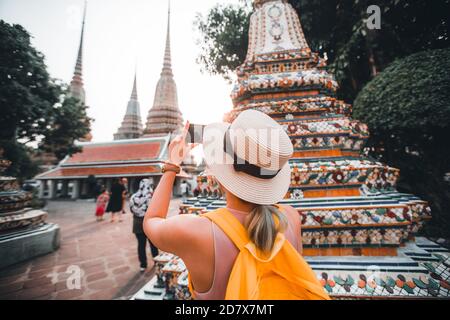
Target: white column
[
  {"x": 108, "y": 184},
  {"x": 52, "y": 185},
  {"x": 75, "y": 189},
  {"x": 42, "y": 188}
]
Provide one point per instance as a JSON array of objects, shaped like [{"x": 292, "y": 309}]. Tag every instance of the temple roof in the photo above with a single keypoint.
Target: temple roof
[
  {"x": 165, "y": 117},
  {"x": 135, "y": 157}
]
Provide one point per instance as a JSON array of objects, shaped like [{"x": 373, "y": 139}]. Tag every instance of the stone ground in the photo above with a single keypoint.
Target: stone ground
[{"x": 104, "y": 252}]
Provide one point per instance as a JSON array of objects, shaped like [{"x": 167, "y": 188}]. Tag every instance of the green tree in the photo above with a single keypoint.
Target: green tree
[
  {"x": 407, "y": 107},
  {"x": 67, "y": 123},
  {"x": 35, "y": 109},
  {"x": 224, "y": 38},
  {"x": 337, "y": 28}
]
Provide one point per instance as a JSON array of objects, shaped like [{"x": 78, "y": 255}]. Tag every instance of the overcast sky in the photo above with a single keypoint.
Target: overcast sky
[{"x": 119, "y": 34}]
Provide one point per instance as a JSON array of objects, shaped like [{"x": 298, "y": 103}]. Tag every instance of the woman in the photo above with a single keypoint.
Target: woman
[
  {"x": 115, "y": 204},
  {"x": 252, "y": 186},
  {"x": 138, "y": 207}
]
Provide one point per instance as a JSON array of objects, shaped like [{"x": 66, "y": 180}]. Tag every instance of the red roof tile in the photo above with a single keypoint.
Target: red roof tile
[
  {"x": 108, "y": 171},
  {"x": 138, "y": 157},
  {"x": 130, "y": 151}
]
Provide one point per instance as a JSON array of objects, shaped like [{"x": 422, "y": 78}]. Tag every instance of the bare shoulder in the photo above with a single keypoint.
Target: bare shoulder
[
  {"x": 290, "y": 211},
  {"x": 188, "y": 225},
  {"x": 292, "y": 214}
]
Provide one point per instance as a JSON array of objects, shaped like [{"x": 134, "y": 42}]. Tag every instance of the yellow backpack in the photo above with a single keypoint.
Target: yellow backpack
[{"x": 281, "y": 275}]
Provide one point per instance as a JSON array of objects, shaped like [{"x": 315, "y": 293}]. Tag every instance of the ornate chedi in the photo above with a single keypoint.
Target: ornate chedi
[
  {"x": 23, "y": 231},
  {"x": 76, "y": 87},
  {"x": 165, "y": 116},
  {"x": 351, "y": 212},
  {"x": 131, "y": 127},
  {"x": 348, "y": 202}
]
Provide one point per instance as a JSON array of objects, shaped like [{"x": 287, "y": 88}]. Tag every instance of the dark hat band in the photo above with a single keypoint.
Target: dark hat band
[{"x": 242, "y": 165}]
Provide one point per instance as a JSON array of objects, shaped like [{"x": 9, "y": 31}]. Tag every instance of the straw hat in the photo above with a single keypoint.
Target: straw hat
[{"x": 250, "y": 157}]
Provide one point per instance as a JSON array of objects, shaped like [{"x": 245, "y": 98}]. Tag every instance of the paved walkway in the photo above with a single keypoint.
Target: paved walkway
[{"x": 104, "y": 254}]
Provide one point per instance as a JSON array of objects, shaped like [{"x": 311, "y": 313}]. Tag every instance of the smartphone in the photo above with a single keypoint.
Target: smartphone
[{"x": 195, "y": 133}]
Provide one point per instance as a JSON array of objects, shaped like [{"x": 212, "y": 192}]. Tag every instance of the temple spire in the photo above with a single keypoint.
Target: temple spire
[
  {"x": 76, "y": 88},
  {"x": 165, "y": 117},
  {"x": 76, "y": 85},
  {"x": 167, "y": 66},
  {"x": 134, "y": 95},
  {"x": 131, "y": 127},
  {"x": 79, "y": 64}
]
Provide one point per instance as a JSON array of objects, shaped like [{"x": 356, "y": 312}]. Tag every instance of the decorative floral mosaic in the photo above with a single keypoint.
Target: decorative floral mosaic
[
  {"x": 310, "y": 104},
  {"x": 14, "y": 213},
  {"x": 326, "y": 126},
  {"x": 8, "y": 184},
  {"x": 400, "y": 286},
  {"x": 374, "y": 175},
  {"x": 280, "y": 56},
  {"x": 20, "y": 220},
  {"x": 207, "y": 187},
  {"x": 356, "y": 216},
  {"x": 313, "y": 78},
  {"x": 321, "y": 238},
  {"x": 373, "y": 283},
  {"x": 337, "y": 142},
  {"x": 10, "y": 201}
]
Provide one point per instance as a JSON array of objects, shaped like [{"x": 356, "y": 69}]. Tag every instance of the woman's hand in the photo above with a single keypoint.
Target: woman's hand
[{"x": 178, "y": 148}]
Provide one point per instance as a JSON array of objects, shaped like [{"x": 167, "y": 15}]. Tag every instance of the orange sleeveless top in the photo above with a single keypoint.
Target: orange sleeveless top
[{"x": 225, "y": 254}]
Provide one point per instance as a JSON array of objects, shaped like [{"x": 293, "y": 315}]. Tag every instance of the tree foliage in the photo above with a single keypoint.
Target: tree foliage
[
  {"x": 67, "y": 123},
  {"x": 337, "y": 28},
  {"x": 224, "y": 38},
  {"x": 407, "y": 107},
  {"x": 35, "y": 109}
]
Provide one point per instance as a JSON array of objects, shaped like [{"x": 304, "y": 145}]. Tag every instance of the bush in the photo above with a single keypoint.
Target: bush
[{"x": 407, "y": 108}]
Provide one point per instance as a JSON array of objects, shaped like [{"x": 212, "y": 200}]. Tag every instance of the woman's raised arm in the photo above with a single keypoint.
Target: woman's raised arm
[{"x": 169, "y": 234}]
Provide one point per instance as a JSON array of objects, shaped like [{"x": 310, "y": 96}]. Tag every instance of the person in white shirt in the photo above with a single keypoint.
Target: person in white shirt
[{"x": 184, "y": 189}]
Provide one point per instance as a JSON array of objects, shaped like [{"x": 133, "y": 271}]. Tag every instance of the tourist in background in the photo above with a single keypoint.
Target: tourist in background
[
  {"x": 115, "y": 204},
  {"x": 102, "y": 201},
  {"x": 184, "y": 190},
  {"x": 126, "y": 194},
  {"x": 138, "y": 207}
]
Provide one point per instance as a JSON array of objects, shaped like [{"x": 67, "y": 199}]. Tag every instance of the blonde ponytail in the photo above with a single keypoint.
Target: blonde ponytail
[{"x": 261, "y": 226}]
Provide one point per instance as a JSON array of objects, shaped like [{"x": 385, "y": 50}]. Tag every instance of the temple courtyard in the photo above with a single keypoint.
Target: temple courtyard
[{"x": 96, "y": 260}]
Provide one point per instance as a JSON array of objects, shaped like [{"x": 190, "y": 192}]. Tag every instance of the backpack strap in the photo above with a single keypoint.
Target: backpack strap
[{"x": 231, "y": 226}]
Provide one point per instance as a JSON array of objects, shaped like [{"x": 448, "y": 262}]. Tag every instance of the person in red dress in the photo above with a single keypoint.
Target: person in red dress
[{"x": 102, "y": 201}]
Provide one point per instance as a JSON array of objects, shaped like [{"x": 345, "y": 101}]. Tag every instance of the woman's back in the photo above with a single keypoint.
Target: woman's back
[{"x": 225, "y": 253}]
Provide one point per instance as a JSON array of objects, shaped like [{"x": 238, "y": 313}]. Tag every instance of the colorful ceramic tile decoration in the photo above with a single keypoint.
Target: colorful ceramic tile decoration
[
  {"x": 356, "y": 226},
  {"x": 24, "y": 234},
  {"x": 14, "y": 213},
  {"x": 421, "y": 270}
]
